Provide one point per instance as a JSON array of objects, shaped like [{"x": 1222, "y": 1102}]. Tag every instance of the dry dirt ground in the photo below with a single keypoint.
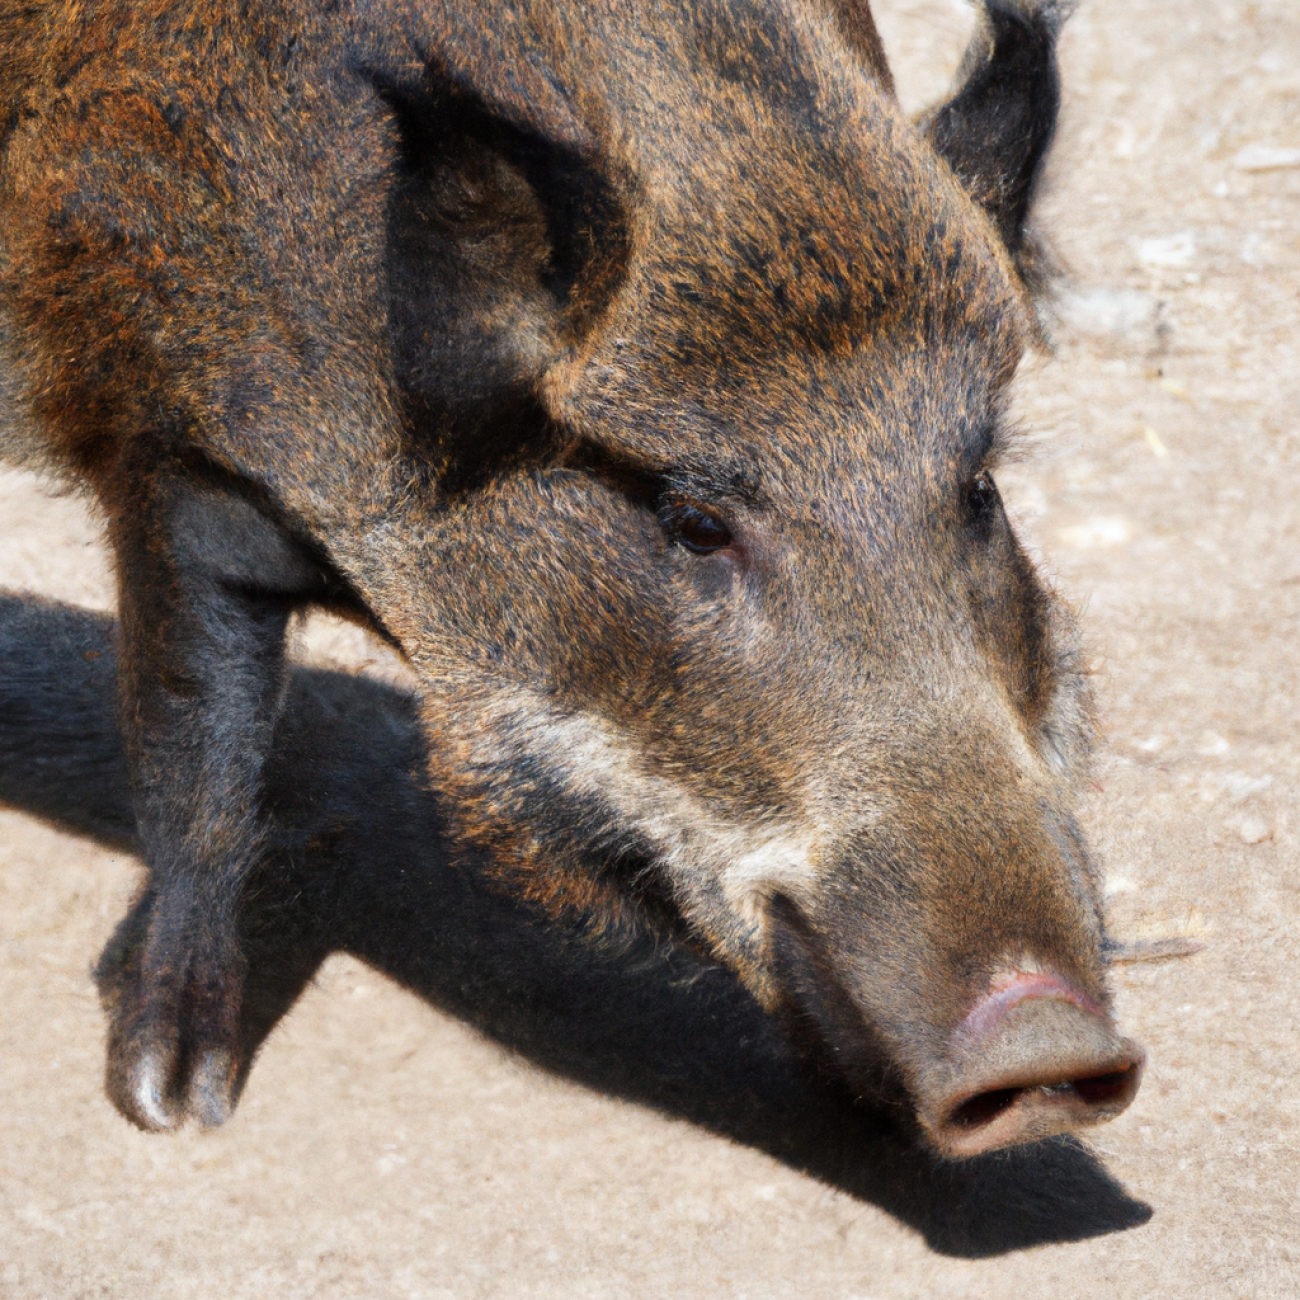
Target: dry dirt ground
[{"x": 384, "y": 1149}]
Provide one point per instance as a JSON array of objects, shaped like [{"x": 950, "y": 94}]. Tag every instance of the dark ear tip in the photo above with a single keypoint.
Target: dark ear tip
[
  {"x": 1044, "y": 17},
  {"x": 995, "y": 130},
  {"x": 1022, "y": 33}
]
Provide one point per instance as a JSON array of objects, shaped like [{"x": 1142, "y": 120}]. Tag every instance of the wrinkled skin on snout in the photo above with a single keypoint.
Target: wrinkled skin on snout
[{"x": 640, "y": 373}]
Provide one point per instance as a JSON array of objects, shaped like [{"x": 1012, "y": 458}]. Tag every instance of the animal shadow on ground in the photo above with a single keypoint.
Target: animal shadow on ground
[{"x": 362, "y": 864}]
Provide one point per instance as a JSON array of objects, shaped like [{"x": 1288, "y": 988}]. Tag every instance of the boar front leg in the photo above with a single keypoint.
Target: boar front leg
[{"x": 207, "y": 581}]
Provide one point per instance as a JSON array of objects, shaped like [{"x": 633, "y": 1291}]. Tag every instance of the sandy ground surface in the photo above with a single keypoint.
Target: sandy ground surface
[{"x": 383, "y": 1149}]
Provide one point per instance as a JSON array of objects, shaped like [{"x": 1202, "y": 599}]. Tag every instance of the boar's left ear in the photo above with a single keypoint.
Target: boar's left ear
[{"x": 995, "y": 130}]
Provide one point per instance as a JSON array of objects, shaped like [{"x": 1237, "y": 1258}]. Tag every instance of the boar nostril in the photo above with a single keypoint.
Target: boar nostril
[
  {"x": 1092, "y": 1090},
  {"x": 1102, "y": 1088},
  {"x": 984, "y": 1107}
]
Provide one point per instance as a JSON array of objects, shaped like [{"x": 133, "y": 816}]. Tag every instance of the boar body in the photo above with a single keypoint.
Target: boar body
[{"x": 639, "y": 373}]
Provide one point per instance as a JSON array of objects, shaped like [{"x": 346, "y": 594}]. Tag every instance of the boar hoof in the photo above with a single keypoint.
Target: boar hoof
[{"x": 173, "y": 1009}]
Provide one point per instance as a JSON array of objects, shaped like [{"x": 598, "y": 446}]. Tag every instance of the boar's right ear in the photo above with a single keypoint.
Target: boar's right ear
[{"x": 995, "y": 130}]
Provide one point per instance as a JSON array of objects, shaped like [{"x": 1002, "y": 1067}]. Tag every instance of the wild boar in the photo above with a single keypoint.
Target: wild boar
[{"x": 638, "y": 371}]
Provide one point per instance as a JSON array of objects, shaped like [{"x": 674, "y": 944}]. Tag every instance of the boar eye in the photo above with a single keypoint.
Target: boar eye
[
  {"x": 694, "y": 527},
  {"x": 982, "y": 499}
]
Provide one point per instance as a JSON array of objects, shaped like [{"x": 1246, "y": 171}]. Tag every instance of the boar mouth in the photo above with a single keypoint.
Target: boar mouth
[
  {"x": 1024, "y": 1112},
  {"x": 822, "y": 1014},
  {"x": 1045, "y": 1062},
  {"x": 1091, "y": 1090}
]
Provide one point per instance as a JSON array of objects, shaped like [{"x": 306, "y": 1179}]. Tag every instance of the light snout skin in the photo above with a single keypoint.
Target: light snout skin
[{"x": 1034, "y": 1057}]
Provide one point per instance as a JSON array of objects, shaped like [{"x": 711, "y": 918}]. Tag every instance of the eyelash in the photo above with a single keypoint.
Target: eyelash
[{"x": 694, "y": 527}]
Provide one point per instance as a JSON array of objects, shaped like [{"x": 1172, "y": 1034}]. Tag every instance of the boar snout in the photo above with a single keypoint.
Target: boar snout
[{"x": 1034, "y": 1057}]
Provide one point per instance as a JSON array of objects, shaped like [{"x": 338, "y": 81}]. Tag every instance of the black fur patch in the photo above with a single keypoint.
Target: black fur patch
[{"x": 995, "y": 132}]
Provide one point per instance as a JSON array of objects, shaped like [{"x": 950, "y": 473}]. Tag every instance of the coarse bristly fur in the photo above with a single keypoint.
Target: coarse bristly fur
[{"x": 636, "y": 370}]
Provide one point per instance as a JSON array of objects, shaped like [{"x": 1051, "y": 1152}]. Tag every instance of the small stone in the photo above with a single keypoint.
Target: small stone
[
  {"x": 1155, "y": 442},
  {"x": 1255, "y": 830},
  {"x": 1265, "y": 158},
  {"x": 1172, "y": 250},
  {"x": 1099, "y": 531},
  {"x": 1121, "y": 313}
]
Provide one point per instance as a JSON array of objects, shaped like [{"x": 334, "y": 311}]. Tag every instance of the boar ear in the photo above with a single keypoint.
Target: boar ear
[
  {"x": 526, "y": 179},
  {"x": 995, "y": 130},
  {"x": 506, "y": 236}
]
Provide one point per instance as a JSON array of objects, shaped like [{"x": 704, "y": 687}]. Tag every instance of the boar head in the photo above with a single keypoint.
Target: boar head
[{"x": 730, "y": 628}]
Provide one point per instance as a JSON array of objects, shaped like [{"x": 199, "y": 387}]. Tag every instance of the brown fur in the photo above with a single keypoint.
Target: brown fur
[{"x": 443, "y": 314}]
